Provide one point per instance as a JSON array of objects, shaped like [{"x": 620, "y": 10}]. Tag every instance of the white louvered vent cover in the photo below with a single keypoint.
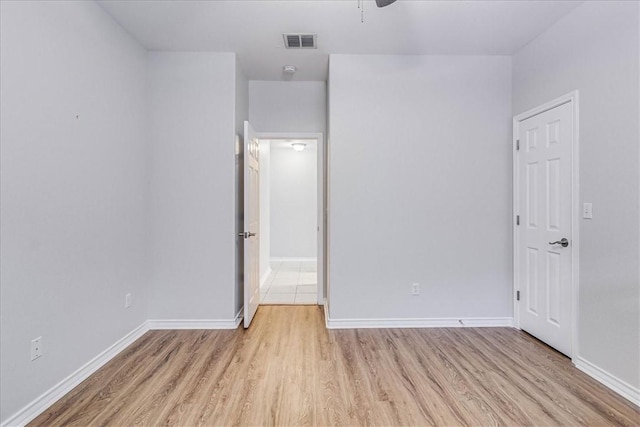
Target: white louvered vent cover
[{"x": 300, "y": 41}]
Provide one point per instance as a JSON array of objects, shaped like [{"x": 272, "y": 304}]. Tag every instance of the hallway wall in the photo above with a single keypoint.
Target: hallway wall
[
  {"x": 287, "y": 106},
  {"x": 294, "y": 203}
]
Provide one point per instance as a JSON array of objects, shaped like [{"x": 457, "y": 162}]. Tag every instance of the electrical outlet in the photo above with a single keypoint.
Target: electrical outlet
[
  {"x": 36, "y": 348},
  {"x": 415, "y": 289},
  {"x": 127, "y": 300}
]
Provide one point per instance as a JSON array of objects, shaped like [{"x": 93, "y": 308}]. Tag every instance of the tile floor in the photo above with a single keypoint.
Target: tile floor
[{"x": 291, "y": 282}]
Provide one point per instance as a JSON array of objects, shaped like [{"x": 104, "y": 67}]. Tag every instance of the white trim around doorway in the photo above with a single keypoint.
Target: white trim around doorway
[{"x": 322, "y": 209}]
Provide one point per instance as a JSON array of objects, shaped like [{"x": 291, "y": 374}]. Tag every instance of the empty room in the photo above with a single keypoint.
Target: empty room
[{"x": 319, "y": 212}]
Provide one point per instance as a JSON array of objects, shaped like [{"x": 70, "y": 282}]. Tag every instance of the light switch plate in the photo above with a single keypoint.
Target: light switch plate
[
  {"x": 587, "y": 211},
  {"x": 36, "y": 348}
]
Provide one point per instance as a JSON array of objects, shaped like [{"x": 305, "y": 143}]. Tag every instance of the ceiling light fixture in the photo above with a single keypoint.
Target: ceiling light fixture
[
  {"x": 383, "y": 3},
  {"x": 298, "y": 146}
]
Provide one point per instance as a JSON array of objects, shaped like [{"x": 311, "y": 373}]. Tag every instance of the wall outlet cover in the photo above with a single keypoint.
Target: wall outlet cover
[{"x": 415, "y": 289}]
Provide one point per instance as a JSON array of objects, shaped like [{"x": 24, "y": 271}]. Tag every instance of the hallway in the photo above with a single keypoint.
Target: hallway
[{"x": 291, "y": 282}]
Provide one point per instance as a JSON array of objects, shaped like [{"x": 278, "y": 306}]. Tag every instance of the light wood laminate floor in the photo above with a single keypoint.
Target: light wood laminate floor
[{"x": 287, "y": 369}]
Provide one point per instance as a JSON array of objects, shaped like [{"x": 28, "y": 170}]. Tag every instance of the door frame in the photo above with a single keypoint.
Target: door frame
[
  {"x": 322, "y": 211},
  {"x": 572, "y": 98}
]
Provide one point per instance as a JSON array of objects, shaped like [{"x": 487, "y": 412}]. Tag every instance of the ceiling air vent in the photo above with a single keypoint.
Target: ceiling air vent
[{"x": 300, "y": 41}]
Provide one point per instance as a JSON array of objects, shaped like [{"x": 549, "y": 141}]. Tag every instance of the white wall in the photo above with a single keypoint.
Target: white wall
[
  {"x": 287, "y": 106},
  {"x": 265, "y": 209},
  {"x": 74, "y": 183},
  {"x": 420, "y": 186},
  {"x": 293, "y": 201},
  {"x": 192, "y": 106},
  {"x": 242, "y": 99},
  {"x": 595, "y": 49}
]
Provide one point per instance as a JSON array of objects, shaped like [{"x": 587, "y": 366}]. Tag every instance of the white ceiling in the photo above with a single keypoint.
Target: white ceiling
[
  {"x": 253, "y": 28},
  {"x": 286, "y": 143}
]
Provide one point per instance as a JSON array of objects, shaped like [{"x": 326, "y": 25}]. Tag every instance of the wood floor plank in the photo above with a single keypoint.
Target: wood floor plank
[{"x": 287, "y": 369}]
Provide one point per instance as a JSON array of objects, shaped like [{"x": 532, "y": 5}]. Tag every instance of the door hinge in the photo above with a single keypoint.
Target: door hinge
[
  {"x": 517, "y": 295},
  {"x": 517, "y": 145},
  {"x": 517, "y": 219}
]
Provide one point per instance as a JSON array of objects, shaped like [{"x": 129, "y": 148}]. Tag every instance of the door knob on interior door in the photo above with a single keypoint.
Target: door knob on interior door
[
  {"x": 250, "y": 234},
  {"x": 564, "y": 242}
]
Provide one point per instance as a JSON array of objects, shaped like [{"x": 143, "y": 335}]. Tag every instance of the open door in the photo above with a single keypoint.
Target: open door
[{"x": 251, "y": 224}]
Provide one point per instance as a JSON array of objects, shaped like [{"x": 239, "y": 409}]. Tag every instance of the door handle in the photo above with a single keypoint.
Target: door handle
[
  {"x": 246, "y": 234},
  {"x": 564, "y": 242}
]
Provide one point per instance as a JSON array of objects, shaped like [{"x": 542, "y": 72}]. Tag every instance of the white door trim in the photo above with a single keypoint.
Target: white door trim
[
  {"x": 321, "y": 182},
  {"x": 575, "y": 210}
]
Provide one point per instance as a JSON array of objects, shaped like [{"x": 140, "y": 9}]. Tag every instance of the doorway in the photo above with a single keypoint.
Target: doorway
[
  {"x": 546, "y": 222},
  {"x": 289, "y": 221}
]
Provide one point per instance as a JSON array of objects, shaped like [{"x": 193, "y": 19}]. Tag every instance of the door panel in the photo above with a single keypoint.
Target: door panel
[
  {"x": 544, "y": 188},
  {"x": 251, "y": 224}
]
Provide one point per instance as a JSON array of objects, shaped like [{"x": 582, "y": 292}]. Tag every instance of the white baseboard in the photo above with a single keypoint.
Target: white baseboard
[
  {"x": 293, "y": 259},
  {"x": 265, "y": 275},
  {"x": 239, "y": 317},
  {"x": 159, "y": 324},
  {"x": 611, "y": 381},
  {"x": 48, "y": 398},
  {"x": 474, "y": 322}
]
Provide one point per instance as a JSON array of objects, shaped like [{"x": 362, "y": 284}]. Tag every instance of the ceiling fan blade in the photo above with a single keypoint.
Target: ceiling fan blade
[{"x": 383, "y": 3}]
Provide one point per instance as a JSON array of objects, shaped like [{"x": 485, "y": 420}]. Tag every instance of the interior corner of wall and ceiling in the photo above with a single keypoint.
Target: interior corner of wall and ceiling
[{"x": 405, "y": 27}]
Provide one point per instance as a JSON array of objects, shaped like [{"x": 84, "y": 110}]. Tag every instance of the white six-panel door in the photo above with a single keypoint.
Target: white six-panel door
[
  {"x": 544, "y": 202},
  {"x": 251, "y": 224}
]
